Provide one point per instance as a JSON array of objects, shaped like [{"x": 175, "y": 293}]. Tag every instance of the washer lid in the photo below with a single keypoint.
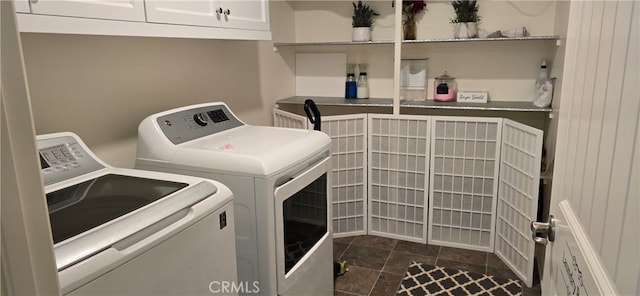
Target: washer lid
[
  {"x": 255, "y": 150},
  {"x": 83, "y": 206},
  {"x": 94, "y": 215}
]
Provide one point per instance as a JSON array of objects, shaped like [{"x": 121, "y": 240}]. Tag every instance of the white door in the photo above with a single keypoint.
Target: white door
[
  {"x": 129, "y": 10},
  {"x": 28, "y": 262},
  {"x": 595, "y": 195},
  {"x": 303, "y": 235}
]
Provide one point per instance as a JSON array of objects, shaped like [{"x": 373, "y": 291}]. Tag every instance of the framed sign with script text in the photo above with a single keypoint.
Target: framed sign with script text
[{"x": 472, "y": 96}]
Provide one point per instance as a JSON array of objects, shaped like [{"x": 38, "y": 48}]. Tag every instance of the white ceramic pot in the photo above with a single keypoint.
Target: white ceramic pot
[
  {"x": 465, "y": 30},
  {"x": 361, "y": 34}
]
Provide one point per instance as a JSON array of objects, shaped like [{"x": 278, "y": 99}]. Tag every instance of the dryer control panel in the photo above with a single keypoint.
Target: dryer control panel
[
  {"x": 63, "y": 157},
  {"x": 190, "y": 124}
]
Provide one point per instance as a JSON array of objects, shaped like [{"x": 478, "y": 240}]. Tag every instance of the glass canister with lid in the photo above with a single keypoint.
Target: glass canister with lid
[{"x": 445, "y": 88}]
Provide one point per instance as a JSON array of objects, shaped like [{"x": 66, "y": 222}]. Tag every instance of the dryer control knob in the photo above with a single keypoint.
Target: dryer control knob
[{"x": 201, "y": 118}]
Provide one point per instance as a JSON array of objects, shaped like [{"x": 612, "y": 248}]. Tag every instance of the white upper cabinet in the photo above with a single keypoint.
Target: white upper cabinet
[
  {"x": 207, "y": 19},
  {"x": 246, "y": 14},
  {"x": 198, "y": 13},
  {"x": 129, "y": 10},
  {"x": 235, "y": 14}
]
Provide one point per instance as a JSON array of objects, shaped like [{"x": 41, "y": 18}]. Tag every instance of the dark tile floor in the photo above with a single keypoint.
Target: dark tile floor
[{"x": 377, "y": 264}]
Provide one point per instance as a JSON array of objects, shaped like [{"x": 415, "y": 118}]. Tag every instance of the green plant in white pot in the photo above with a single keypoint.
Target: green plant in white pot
[
  {"x": 466, "y": 20},
  {"x": 363, "y": 17}
]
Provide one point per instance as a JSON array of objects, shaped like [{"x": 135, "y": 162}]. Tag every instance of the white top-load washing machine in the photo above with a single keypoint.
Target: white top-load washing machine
[
  {"x": 131, "y": 232},
  {"x": 280, "y": 182}
]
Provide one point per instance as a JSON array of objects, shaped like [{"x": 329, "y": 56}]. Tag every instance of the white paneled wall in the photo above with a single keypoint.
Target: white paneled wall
[{"x": 398, "y": 172}]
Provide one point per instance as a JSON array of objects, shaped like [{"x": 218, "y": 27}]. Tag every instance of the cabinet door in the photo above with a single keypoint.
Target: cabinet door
[
  {"x": 245, "y": 14},
  {"x": 464, "y": 181},
  {"x": 398, "y": 172},
  {"x": 235, "y": 14},
  {"x": 518, "y": 197},
  {"x": 130, "y": 10},
  {"x": 197, "y": 12},
  {"x": 22, "y": 6}
]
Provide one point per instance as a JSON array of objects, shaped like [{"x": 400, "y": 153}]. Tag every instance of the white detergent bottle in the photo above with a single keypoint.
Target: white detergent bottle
[
  {"x": 544, "y": 87},
  {"x": 543, "y": 75}
]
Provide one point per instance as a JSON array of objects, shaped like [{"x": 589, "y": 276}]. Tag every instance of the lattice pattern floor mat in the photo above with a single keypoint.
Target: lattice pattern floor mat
[{"x": 424, "y": 279}]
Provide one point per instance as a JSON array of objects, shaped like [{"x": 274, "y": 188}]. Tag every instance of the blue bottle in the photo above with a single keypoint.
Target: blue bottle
[{"x": 351, "y": 87}]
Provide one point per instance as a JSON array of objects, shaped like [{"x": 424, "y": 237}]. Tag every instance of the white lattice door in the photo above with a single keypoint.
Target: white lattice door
[
  {"x": 464, "y": 181},
  {"x": 398, "y": 176},
  {"x": 290, "y": 120},
  {"x": 519, "y": 182},
  {"x": 348, "y": 172},
  {"x": 348, "y": 135}
]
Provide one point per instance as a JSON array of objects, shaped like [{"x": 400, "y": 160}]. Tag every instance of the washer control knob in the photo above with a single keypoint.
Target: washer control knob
[{"x": 201, "y": 118}]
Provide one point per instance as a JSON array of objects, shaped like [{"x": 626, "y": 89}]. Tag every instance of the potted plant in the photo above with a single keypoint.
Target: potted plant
[
  {"x": 410, "y": 10},
  {"x": 363, "y": 17},
  {"x": 467, "y": 18}
]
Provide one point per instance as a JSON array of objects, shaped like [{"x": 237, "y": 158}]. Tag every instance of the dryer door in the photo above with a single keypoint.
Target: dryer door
[{"x": 303, "y": 235}]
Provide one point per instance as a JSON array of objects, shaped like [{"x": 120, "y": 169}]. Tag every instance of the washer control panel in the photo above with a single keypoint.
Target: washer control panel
[
  {"x": 63, "y": 157},
  {"x": 186, "y": 125}
]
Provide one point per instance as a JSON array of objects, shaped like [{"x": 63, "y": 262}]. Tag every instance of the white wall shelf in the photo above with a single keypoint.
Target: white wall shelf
[
  {"x": 507, "y": 106},
  {"x": 422, "y": 41}
]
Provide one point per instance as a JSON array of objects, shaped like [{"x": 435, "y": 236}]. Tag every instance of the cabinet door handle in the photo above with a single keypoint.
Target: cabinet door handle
[{"x": 227, "y": 12}]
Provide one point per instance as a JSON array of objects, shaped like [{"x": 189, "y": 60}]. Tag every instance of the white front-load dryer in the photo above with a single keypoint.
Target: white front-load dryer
[
  {"x": 122, "y": 231},
  {"x": 280, "y": 180}
]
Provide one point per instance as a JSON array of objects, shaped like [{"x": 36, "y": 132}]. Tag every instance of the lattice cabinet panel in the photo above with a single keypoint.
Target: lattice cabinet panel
[
  {"x": 518, "y": 197},
  {"x": 349, "y": 172},
  {"x": 290, "y": 120},
  {"x": 398, "y": 165},
  {"x": 464, "y": 181}
]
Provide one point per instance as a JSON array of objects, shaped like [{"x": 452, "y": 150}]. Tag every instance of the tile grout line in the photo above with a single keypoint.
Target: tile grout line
[{"x": 382, "y": 268}]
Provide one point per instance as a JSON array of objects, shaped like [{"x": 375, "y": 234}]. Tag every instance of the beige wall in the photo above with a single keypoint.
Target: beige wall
[{"x": 101, "y": 87}]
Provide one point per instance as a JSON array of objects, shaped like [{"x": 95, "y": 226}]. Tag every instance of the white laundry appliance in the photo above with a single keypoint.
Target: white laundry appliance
[
  {"x": 280, "y": 182},
  {"x": 122, "y": 231}
]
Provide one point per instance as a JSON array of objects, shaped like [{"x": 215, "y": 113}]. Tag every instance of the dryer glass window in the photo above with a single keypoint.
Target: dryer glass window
[
  {"x": 78, "y": 208},
  {"x": 305, "y": 221}
]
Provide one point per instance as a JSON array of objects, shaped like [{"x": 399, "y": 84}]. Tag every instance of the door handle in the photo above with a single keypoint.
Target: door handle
[{"x": 542, "y": 233}]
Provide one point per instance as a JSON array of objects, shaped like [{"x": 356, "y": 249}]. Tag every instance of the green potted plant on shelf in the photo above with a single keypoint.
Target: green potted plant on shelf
[
  {"x": 466, "y": 20},
  {"x": 363, "y": 18}
]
